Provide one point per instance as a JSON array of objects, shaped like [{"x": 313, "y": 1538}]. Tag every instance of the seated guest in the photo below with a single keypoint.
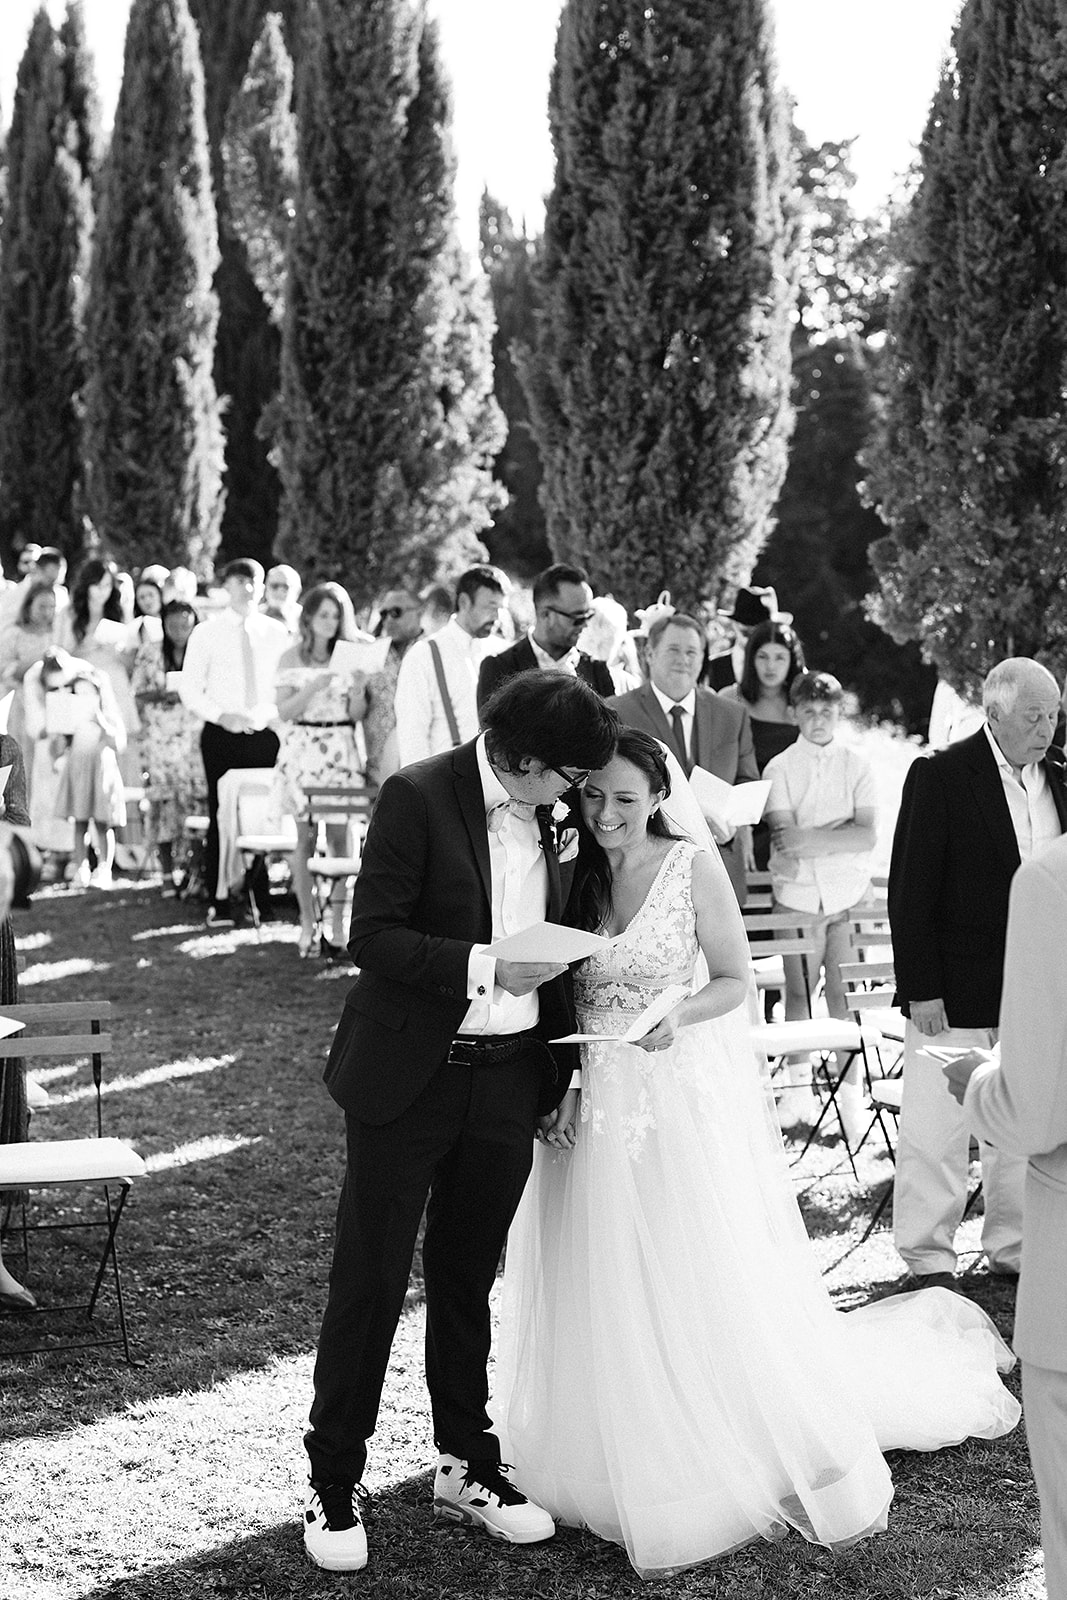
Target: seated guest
[
  {"x": 319, "y": 707},
  {"x": 170, "y": 739},
  {"x": 774, "y": 657},
  {"x": 437, "y": 685},
  {"x": 562, "y": 608},
  {"x": 228, "y": 680},
  {"x": 700, "y": 727}
]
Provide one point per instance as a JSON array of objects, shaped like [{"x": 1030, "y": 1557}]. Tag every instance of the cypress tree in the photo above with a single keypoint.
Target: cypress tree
[
  {"x": 384, "y": 452},
  {"x": 659, "y": 387},
  {"x": 971, "y": 472},
  {"x": 153, "y": 415},
  {"x": 44, "y": 259},
  {"x": 517, "y": 540}
]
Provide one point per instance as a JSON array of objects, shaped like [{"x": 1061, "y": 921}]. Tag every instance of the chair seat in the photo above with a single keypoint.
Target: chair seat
[
  {"x": 887, "y": 1093},
  {"x": 195, "y": 827},
  {"x": 264, "y": 844},
  {"x": 334, "y": 866},
  {"x": 769, "y": 972},
  {"x": 41, "y": 1161},
  {"x": 809, "y": 1033}
]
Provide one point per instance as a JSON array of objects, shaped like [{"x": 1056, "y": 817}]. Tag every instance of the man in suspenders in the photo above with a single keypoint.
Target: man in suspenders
[{"x": 436, "y": 690}]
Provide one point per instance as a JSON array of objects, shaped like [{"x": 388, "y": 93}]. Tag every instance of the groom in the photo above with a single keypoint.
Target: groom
[{"x": 441, "y": 1066}]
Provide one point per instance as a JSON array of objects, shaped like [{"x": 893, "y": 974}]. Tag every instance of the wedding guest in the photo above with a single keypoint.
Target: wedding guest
[
  {"x": 94, "y": 630},
  {"x": 52, "y": 835},
  {"x": 147, "y": 626},
  {"x": 231, "y": 662},
  {"x": 442, "y": 1066},
  {"x": 319, "y": 707},
  {"x": 1018, "y": 1102},
  {"x": 436, "y": 687},
  {"x": 27, "y": 641},
  {"x": 563, "y": 602},
  {"x": 90, "y": 793},
  {"x": 822, "y": 812},
  {"x": 400, "y": 616},
  {"x": 700, "y": 727},
  {"x": 751, "y": 607},
  {"x": 605, "y": 637},
  {"x": 175, "y": 787},
  {"x": 281, "y": 596},
  {"x": 969, "y": 814},
  {"x": 774, "y": 657},
  {"x": 14, "y": 593}
]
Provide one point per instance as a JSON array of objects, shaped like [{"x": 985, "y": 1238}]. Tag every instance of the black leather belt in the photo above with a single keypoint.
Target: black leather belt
[
  {"x": 487, "y": 1050},
  {"x": 344, "y": 723}
]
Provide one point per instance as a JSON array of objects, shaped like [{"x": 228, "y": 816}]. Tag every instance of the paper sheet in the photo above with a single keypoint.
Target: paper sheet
[
  {"x": 66, "y": 713},
  {"x": 653, "y": 1013},
  {"x": 359, "y": 655},
  {"x": 8, "y": 1026},
  {"x": 547, "y": 941},
  {"x": 731, "y": 804},
  {"x": 950, "y": 1052}
]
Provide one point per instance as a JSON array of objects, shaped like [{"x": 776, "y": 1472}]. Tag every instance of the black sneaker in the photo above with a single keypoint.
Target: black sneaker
[{"x": 334, "y": 1536}]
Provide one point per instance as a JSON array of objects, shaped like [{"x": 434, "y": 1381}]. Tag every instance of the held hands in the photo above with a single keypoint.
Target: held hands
[
  {"x": 961, "y": 1069},
  {"x": 558, "y": 1128},
  {"x": 929, "y": 1016},
  {"x": 523, "y": 977}
]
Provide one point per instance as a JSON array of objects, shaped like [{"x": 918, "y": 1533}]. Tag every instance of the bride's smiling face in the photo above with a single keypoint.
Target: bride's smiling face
[{"x": 617, "y": 803}]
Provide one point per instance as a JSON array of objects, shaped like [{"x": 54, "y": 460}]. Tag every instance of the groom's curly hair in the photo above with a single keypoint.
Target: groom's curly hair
[{"x": 550, "y": 717}]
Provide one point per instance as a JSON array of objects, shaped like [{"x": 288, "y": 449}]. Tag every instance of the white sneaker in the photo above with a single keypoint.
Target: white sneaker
[
  {"x": 82, "y": 875},
  {"x": 101, "y": 878},
  {"x": 479, "y": 1494},
  {"x": 334, "y": 1536}
]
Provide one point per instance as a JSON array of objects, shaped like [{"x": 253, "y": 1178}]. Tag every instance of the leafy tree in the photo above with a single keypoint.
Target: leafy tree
[
  {"x": 44, "y": 256},
  {"x": 154, "y": 416},
  {"x": 259, "y": 160},
  {"x": 388, "y": 426},
  {"x": 659, "y": 384},
  {"x": 817, "y": 558},
  {"x": 517, "y": 540},
  {"x": 971, "y": 472}
]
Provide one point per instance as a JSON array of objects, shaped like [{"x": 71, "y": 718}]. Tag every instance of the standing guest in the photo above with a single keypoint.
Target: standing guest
[
  {"x": 42, "y": 564},
  {"x": 728, "y": 633},
  {"x": 319, "y": 708},
  {"x": 94, "y": 630},
  {"x": 605, "y": 637},
  {"x": 27, "y": 641},
  {"x": 147, "y": 626},
  {"x": 969, "y": 814},
  {"x": 1019, "y": 1104},
  {"x": 822, "y": 811},
  {"x": 437, "y": 608},
  {"x": 436, "y": 687},
  {"x": 442, "y": 1066},
  {"x": 563, "y": 602},
  {"x": 281, "y": 596},
  {"x": 400, "y": 614},
  {"x": 14, "y": 593},
  {"x": 90, "y": 793},
  {"x": 774, "y": 657},
  {"x": 231, "y": 662},
  {"x": 51, "y": 834},
  {"x": 170, "y": 738},
  {"x": 700, "y": 727}
]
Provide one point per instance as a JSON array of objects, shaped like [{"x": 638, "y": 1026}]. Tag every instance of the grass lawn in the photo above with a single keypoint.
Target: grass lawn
[{"x": 182, "y": 1476}]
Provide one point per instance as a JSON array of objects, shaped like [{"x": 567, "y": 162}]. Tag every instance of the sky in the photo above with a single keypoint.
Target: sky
[{"x": 856, "y": 68}]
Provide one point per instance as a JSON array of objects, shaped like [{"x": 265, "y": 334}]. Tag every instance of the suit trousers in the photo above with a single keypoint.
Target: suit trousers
[
  {"x": 933, "y": 1162},
  {"x": 1045, "y": 1411},
  {"x": 222, "y": 751},
  {"x": 467, "y": 1142}
]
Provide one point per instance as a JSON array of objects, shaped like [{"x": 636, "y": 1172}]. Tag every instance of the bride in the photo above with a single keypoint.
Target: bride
[{"x": 671, "y": 1373}]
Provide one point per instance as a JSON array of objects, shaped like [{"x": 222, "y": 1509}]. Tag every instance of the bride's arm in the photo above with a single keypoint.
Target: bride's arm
[{"x": 722, "y": 939}]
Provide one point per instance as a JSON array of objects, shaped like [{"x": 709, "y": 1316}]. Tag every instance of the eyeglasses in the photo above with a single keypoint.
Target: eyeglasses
[
  {"x": 391, "y": 613},
  {"x": 573, "y": 780},
  {"x": 572, "y": 616}
]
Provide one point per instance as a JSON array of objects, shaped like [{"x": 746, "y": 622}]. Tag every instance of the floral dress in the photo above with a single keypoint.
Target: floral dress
[
  {"x": 175, "y": 786},
  {"x": 319, "y": 751}
]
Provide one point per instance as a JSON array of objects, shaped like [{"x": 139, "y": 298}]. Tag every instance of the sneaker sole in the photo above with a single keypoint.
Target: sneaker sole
[
  {"x": 449, "y": 1511},
  {"x": 335, "y": 1563}
]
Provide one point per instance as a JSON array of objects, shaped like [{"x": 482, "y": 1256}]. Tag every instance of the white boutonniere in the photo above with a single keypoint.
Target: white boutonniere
[{"x": 560, "y": 812}]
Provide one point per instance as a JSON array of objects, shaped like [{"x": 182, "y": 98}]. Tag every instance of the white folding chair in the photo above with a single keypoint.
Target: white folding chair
[{"x": 349, "y": 807}]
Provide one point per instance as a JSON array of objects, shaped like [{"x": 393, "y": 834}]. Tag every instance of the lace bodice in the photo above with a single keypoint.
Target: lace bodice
[{"x": 658, "y": 949}]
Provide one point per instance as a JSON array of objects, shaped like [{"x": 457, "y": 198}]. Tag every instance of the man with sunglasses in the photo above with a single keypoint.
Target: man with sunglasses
[
  {"x": 442, "y": 1065},
  {"x": 563, "y": 603},
  {"x": 400, "y": 619}
]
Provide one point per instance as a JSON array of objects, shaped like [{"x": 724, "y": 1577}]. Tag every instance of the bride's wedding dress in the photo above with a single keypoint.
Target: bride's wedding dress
[{"x": 671, "y": 1372}]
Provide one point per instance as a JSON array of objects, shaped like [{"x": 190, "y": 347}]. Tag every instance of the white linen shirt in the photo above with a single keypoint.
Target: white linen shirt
[
  {"x": 520, "y": 898},
  {"x": 1033, "y": 810},
  {"x": 212, "y": 679},
  {"x": 421, "y": 724},
  {"x": 822, "y": 785},
  {"x": 547, "y": 663}
]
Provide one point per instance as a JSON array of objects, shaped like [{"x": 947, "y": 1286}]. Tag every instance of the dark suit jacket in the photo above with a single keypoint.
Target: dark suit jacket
[
  {"x": 722, "y": 744},
  {"x": 520, "y": 658},
  {"x": 422, "y": 898},
  {"x": 954, "y": 856}
]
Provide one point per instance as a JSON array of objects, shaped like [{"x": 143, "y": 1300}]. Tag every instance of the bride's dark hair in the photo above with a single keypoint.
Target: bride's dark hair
[{"x": 592, "y": 891}]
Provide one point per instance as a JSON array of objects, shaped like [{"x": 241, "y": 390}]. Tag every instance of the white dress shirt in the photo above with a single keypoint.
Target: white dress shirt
[
  {"x": 213, "y": 674},
  {"x": 689, "y": 711},
  {"x": 547, "y": 663},
  {"x": 1033, "y": 810},
  {"x": 421, "y": 725},
  {"x": 822, "y": 785},
  {"x": 520, "y": 898}
]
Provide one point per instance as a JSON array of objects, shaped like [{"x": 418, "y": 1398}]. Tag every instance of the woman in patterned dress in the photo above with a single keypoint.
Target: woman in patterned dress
[
  {"x": 319, "y": 709},
  {"x": 175, "y": 786}
]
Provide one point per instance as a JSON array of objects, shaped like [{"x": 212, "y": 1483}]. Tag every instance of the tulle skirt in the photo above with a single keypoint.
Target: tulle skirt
[{"x": 670, "y": 1372}]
